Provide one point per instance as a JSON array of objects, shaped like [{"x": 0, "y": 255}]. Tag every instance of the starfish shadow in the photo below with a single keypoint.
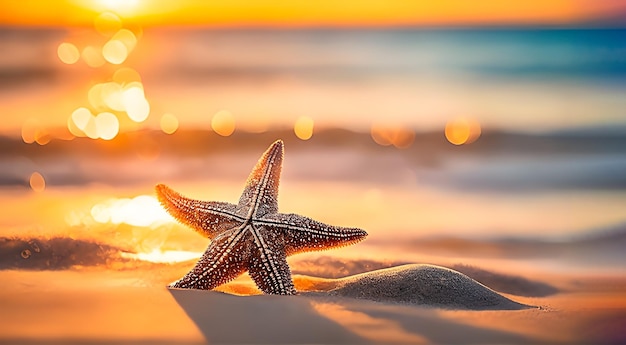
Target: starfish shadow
[
  {"x": 433, "y": 327},
  {"x": 262, "y": 319}
]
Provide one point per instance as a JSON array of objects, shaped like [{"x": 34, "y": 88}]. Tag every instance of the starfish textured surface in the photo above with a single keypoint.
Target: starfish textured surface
[{"x": 252, "y": 236}]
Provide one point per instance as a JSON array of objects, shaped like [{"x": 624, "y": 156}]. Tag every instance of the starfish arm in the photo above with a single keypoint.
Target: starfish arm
[
  {"x": 304, "y": 234},
  {"x": 268, "y": 264},
  {"x": 222, "y": 262},
  {"x": 209, "y": 218},
  {"x": 260, "y": 195}
]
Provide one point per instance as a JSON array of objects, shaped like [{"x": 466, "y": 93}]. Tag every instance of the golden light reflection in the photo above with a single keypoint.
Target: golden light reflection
[
  {"x": 37, "y": 182},
  {"x": 398, "y": 136},
  {"x": 142, "y": 210},
  {"x": 167, "y": 256},
  {"x": 169, "y": 123},
  {"x": 223, "y": 123},
  {"x": 107, "y": 23},
  {"x": 107, "y": 126},
  {"x": 123, "y": 92},
  {"x": 303, "y": 128},
  {"x": 115, "y": 52},
  {"x": 68, "y": 53},
  {"x": 461, "y": 131},
  {"x": 93, "y": 57}
]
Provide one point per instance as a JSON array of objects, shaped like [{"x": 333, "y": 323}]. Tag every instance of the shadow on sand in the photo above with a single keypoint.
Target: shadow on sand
[{"x": 263, "y": 319}]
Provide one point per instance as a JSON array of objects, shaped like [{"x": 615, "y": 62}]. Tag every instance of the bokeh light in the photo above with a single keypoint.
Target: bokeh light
[
  {"x": 81, "y": 117},
  {"x": 135, "y": 104},
  {"x": 127, "y": 38},
  {"x": 461, "y": 131},
  {"x": 169, "y": 123},
  {"x": 124, "y": 92},
  {"x": 223, "y": 123},
  {"x": 93, "y": 57},
  {"x": 303, "y": 128},
  {"x": 42, "y": 136},
  {"x": 86, "y": 122},
  {"x": 37, "y": 182},
  {"x": 94, "y": 95},
  {"x": 107, "y": 23},
  {"x": 29, "y": 129},
  {"x": 107, "y": 126},
  {"x": 115, "y": 52},
  {"x": 398, "y": 136},
  {"x": 74, "y": 130},
  {"x": 126, "y": 75},
  {"x": 68, "y": 53},
  {"x": 91, "y": 129},
  {"x": 111, "y": 93}
]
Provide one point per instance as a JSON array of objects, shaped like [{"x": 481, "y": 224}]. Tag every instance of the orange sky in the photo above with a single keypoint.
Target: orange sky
[{"x": 310, "y": 13}]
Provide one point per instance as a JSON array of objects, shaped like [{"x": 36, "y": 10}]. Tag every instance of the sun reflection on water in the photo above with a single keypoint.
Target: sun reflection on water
[{"x": 112, "y": 99}]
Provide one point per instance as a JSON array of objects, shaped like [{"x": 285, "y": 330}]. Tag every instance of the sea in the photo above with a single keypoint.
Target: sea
[{"x": 549, "y": 164}]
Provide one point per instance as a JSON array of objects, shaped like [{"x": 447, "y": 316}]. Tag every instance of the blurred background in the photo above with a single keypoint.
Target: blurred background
[{"x": 480, "y": 131}]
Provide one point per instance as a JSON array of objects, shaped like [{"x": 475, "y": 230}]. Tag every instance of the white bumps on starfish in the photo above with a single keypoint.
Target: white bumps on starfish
[{"x": 252, "y": 236}]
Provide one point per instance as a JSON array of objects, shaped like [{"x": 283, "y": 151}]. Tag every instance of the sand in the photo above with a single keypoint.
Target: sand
[
  {"x": 127, "y": 306},
  {"x": 425, "y": 285}
]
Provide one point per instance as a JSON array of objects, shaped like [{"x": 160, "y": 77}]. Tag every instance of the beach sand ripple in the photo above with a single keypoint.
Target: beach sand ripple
[{"x": 422, "y": 284}]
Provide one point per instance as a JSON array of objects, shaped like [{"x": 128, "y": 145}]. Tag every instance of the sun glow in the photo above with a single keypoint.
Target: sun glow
[
  {"x": 161, "y": 256},
  {"x": 123, "y": 7},
  {"x": 143, "y": 210}
]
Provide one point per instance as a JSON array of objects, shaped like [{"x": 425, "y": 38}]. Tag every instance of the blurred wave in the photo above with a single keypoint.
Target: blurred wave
[
  {"x": 593, "y": 248},
  {"x": 519, "y": 53},
  {"x": 510, "y": 78},
  {"x": 499, "y": 161}
]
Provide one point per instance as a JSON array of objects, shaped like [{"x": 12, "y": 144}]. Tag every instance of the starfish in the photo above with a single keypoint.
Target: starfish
[{"x": 252, "y": 235}]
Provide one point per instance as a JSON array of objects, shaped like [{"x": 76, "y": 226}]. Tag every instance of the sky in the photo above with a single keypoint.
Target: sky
[{"x": 324, "y": 13}]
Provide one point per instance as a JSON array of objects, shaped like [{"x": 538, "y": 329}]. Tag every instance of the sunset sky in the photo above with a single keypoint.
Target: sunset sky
[{"x": 325, "y": 13}]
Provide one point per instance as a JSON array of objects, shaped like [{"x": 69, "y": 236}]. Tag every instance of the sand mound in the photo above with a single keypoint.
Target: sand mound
[{"x": 423, "y": 285}]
